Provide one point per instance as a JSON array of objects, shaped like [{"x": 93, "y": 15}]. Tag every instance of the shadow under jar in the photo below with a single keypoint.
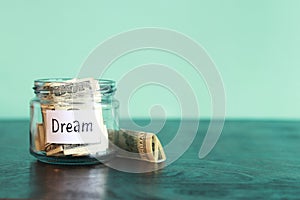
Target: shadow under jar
[{"x": 70, "y": 120}]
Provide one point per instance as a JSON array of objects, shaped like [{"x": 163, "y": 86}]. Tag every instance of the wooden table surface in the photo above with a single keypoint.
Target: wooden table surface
[{"x": 252, "y": 160}]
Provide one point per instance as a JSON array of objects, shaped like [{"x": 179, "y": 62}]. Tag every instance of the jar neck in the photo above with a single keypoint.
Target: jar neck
[{"x": 66, "y": 87}]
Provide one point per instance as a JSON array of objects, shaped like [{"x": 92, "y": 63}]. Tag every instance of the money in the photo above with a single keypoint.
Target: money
[
  {"x": 71, "y": 149},
  {"x": 82, "y": 150},
  {"x": 41, "y": 135},
  {"x": 75, "y": 89},
  {"x": 37, "y": 143},
  {"x": 75, "y": 94},
  {"x": 54, "y": 150},
  {"x": 137, "y": 145},
  {"x": 127, "y": 143},
  {"x": 39, "y": 139},
  {"x": 84, "y": 94}
]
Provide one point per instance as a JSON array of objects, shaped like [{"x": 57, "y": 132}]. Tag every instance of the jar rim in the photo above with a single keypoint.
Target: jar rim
[
  {"x": 107, "y": 86},
  {"x": 53, "y": 80}
]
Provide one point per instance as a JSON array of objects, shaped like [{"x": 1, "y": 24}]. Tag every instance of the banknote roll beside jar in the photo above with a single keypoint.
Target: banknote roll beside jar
[{"x": 76, "y": 121}]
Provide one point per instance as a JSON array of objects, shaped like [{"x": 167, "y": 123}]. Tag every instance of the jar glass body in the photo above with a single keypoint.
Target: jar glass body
[{"x": 78, "y": 154}]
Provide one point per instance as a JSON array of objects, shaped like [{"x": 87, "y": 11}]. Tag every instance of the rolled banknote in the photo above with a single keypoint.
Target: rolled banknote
[{"x": 137, "y": 145}]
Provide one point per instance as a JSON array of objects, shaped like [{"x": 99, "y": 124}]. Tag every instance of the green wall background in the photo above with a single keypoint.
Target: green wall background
[{"x": 254, "y": 44}]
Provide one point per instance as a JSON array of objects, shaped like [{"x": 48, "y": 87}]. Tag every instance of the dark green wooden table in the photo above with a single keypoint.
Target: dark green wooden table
[{"x": 252, "y": 160}]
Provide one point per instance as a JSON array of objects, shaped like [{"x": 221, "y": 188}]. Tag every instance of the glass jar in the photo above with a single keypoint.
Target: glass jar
[{"x": 70, "y": 120}]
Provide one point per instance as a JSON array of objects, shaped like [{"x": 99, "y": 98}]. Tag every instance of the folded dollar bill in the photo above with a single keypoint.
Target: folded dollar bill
[{"x": 137, "y": 145}]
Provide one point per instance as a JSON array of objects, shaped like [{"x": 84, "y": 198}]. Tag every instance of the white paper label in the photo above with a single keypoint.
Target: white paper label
[{"x": 76, "y": 127}]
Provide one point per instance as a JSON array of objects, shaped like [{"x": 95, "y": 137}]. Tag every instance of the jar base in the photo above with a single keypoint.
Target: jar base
[{"x": 71, "y": 160}]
